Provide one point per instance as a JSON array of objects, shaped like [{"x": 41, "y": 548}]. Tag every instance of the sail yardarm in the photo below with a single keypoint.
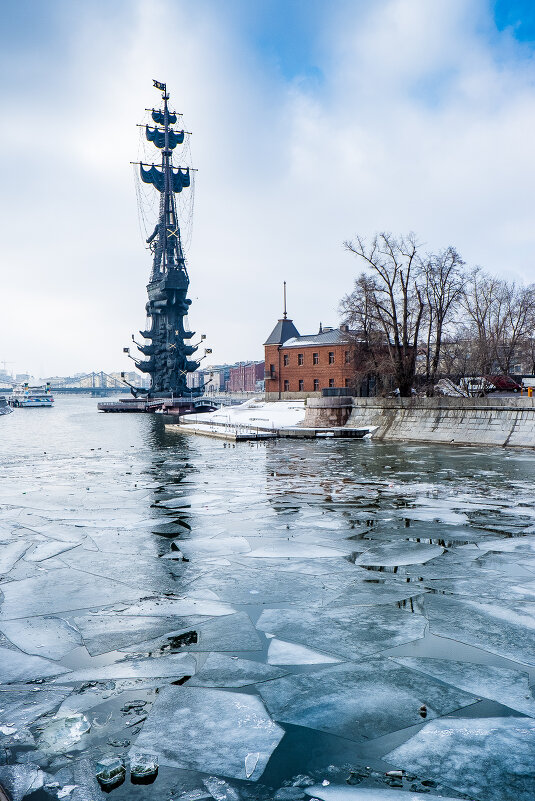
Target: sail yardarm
[
  {"x": 158, "y": 117},
  {"x": 179, "y": 178},
  {"x": 157, "y": 136}
]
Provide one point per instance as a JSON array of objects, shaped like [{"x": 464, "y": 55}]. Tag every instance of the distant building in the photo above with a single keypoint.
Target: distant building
[
  {"x": 246, "y": 377},
  {"x": 299, "y": 366}
]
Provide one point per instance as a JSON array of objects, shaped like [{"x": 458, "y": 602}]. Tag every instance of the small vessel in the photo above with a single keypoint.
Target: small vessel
[
  {"x": 25, "y": 395},
  {"x": 4, "y": 408}
]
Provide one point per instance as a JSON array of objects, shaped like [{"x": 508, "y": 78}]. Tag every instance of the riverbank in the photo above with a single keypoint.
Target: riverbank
[{"x": 502, "y": 421}]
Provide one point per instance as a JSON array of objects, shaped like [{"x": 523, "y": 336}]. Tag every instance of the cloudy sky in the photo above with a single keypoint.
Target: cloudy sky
[{"x": 312, "y": 120}]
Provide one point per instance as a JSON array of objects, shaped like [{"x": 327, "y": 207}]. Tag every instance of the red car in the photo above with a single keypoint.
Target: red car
[{"x": 503, "y": 383}]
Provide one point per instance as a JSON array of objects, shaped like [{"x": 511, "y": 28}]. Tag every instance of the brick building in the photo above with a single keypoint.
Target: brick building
[
  {"x": 298, "y": 366},
  {"x": 245, "y": 377}
]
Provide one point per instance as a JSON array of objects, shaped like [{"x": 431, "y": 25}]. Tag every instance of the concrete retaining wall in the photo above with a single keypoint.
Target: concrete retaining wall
[{"x": 460, "y": 421}]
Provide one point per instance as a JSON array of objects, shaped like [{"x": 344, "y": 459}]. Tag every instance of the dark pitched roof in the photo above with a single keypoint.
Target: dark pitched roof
[
  {"x": 285, "y": 329},
  {"x": 334, "y": 337}
]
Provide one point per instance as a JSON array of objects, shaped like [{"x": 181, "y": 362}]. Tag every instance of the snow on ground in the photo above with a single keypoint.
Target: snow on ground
[{"x": 252, "y": 414}]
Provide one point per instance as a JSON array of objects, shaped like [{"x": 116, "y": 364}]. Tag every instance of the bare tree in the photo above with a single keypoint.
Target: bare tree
[
  {"x": 389, "y": 300},
  {"x": 443, "y": 289}
]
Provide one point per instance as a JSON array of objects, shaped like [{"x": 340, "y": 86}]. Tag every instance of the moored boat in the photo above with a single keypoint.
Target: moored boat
[{"x": 26, "y": 396}]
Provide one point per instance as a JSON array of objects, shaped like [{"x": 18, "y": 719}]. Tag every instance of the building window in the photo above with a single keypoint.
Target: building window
[
  {"x": 331, "y": 357},
  {"x": 271, "y": 369},
  {"x": 331, "y": 382},
  {"x": 286, "y": 385},
  {"x": 347, "y": 382},
  {"x": 316, "y": 382},
  {"x": 300, "y": 359},
  {"x": 347, "y": 356},
  {"x": 286, "y": 360},
  {"x": 301, "y": 385},
  {"x": 315, "y": 358}
]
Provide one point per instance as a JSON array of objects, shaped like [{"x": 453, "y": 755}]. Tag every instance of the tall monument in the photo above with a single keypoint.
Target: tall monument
[{"x": 168, "y": 345}]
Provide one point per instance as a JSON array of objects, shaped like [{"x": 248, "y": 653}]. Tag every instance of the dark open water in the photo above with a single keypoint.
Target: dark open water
[{"x": 342, "y": 609}]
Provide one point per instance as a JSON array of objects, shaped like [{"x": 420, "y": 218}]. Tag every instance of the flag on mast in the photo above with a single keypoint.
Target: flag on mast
[{"x": 158, "y": 85}]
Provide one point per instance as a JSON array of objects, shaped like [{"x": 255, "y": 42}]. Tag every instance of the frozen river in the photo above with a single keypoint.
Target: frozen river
[{"x": 280, "y": 620}]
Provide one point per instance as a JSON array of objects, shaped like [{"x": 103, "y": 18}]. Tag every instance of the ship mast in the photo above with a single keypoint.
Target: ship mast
[{"x": 167, "y": 364}]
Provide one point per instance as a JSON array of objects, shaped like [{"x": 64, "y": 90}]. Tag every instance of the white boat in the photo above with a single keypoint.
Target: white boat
[{"x": 25, "y": 395}]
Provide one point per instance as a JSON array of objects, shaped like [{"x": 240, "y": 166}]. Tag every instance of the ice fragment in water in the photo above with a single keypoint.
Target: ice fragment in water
[
  {"x": 476, "y": 756},
  {"x": 229, "y": 633},
  {"x": 10, "y": 554},
  {"x": 61, "y": 734},
  {"x": 289, "y": 653},
  {"x": 172, "y": 666},
  {"x": 368, "y": 699},
  {"x": 50, "y": 637},
  {"x": 507, "y": 687},
  {"x": 220, "y": 670},
  {"x": 503, "y": 628},
  {"x": 20, "y": 708},
  {"x": 105, "y": 632},
  {"x": 21, "y": 667},
  {"x": 209, "y": 730},
  {"x": 336, "y": 792},
  {"x": 220, "y": 790},
  {"x": 143, "y": 765},
  {"x": 396, "y": 554},
  {"x": 349, "y": 632},
  {"x": 110, "y": 771},
  {"x": 251, "y": 761}
]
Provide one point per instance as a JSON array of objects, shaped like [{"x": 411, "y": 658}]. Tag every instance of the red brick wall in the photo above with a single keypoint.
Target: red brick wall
[{"x": 293, "y": 372}]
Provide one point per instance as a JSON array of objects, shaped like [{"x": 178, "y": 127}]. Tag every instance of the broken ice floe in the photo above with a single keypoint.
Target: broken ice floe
[
  {"x": 20, "y": 708},
  {"x": 61, "y": 734},
  {"x": 172, "y": 666},
  {"x": 209, "y": 730},
  {"x": 360, "y": 700},
  {"x": 349, "y": 632},
  {"x": 50, "y": 637},
  {"x": 21, "y": 781},
  {"x": 396, "y": 554},
  {"x": 105, "y": 632},
  {"x": 220, "y": 670},
  {"x": 15, "y": 666},
  {"x": 289, "y": 653},
  {"x": 504, "y": 628},
  {"x": 507, "y": 687},
  {"x": 79, "y": 590},
  {"x": 337, "y": 792},
  {"x": 490, "y": 758},
  {"x": 230, "y": 633}
]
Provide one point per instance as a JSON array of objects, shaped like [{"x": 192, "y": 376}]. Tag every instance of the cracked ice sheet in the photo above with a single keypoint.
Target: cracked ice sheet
[
  {"x": 104, "y": 633},
  {"x": 51, "y": 637},
  {"x": 21, "y": 781},
  {"x": 45, "y": 550},
  {"x": 39, "y": 595},
  {"x": 348, "y": 632},
  {"x": 240, "y": 586},
  {"x": 483, "y": 757},
  {"x": 402, "y": 553},
  {"x": 173, "y": 666},
  {"x": 507, "y": 687},
  {"x": 11, "y": 553},
  {"x": 230, "y": 633},
  {"x": 288, "y": 653},
  {"x": 373, "y": 593},
  {"x": 277, "y": 549},
  {"x": 211, "y": 731},
  {"x": 504, "y": 628},
  {"x": 180, "y": 607},
  {"x": 207, "y": 547},
  {"x": 337, "y": 792},
  {"x": 20, "y": 708},
  {"x": 360, "y": 700},
  {"x": 220, "y": 670},
  {"x": 15, "y": 666}
]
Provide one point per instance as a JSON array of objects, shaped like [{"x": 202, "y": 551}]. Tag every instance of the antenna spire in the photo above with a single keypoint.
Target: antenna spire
[{"x": 284, "y": 315}]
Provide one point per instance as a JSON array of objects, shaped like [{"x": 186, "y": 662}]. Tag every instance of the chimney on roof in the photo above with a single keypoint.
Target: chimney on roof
[
  {"x": 321, "y": 329},
  {"x": 344, "y": 327}
]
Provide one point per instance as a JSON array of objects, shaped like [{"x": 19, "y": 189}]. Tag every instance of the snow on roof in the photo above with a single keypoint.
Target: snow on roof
[{"x": 333, "y": 337}]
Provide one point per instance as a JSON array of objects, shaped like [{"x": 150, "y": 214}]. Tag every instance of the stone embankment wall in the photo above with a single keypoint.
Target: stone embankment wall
[
  {"x": 459, "y": 421},
  {"x": 327, "y": 412}
]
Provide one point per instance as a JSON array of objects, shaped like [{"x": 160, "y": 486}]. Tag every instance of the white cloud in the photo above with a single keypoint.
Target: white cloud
[{"x": 423, "y": 122}]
